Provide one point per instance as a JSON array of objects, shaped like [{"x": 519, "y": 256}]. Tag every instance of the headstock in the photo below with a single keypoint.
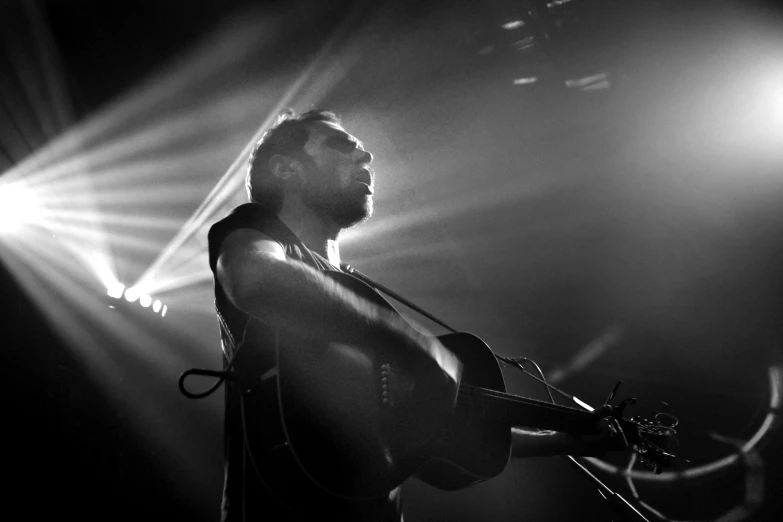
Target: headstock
[{"x": 654, "y": 441}]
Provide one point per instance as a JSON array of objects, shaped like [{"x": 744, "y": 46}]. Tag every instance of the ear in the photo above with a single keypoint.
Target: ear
[{"x": 284, "y": 167}]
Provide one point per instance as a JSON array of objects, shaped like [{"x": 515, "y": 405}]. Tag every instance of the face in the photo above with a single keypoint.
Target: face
[{"x": 338, "y": 180}]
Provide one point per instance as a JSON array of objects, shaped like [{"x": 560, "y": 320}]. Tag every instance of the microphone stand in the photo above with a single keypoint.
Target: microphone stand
[{"x": 624, "y": 511}]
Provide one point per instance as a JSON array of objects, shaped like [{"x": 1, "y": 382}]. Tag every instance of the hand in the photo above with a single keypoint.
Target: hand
[{"x": 608, "y": 437}]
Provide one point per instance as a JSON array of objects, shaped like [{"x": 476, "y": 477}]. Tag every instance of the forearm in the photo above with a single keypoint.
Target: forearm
[
  {"x": 525, "y": 444},
  {"x": 295, "y": 297},
  {"x": 257, "y": 277}
]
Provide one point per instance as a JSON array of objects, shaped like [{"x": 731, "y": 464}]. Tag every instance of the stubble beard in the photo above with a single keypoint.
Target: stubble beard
[{"x": 345, "y": 208}]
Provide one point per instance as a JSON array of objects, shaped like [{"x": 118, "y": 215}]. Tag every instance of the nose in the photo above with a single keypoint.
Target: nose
[{"x": 365, "y": 157}]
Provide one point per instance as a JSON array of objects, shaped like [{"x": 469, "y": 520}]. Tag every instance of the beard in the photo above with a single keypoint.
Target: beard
[{"x": 345, "y": 208}]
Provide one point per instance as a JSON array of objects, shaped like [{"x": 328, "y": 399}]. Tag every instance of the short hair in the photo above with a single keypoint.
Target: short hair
[{"x": 288, "y": 137}]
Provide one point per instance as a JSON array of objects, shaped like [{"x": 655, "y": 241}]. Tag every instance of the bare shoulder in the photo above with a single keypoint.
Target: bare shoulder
[
  {"x": 245, "y": 255},
  {"x": 245, "y": 242}
]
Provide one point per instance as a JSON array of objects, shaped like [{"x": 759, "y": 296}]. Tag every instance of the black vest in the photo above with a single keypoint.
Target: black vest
[{"x": 262, "y": 481}]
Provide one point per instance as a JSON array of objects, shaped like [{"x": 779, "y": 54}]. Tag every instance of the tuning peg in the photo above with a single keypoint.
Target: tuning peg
[
  {"x": 611, "y": 394},
  {"x": 626, "y": 402}
]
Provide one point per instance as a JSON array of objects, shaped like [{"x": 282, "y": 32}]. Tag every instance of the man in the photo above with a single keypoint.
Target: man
[{"x": 308, "y": 180}]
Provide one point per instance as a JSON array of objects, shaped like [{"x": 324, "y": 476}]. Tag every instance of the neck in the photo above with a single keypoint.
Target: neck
[
  {"x": 317, "y": 234},
  {"x": 521, "y": 411}
]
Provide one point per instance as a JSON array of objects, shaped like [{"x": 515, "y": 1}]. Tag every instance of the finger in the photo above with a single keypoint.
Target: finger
[
  {"x": 619, "y": 431},
  {"x": 606, "y": 422},
  {"x": 603, "y": 411}
]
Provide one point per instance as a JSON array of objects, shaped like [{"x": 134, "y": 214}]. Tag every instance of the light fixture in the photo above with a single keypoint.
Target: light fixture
[
  {"x": 19, "y": 206},
  {"x": 116, "y": 290},
  {"x": 131, "y": 294},
  {"x": 514, "y": 24}
]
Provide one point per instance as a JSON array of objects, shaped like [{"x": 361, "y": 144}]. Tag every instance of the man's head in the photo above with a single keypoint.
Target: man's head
[{"x": 313, "y": 158}]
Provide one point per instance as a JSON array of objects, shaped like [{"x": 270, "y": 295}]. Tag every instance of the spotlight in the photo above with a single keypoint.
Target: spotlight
[
  {"x": 19, "y": 206},
  {"x": 145, "y": 300},
  {"x": 596, "y": 82},
  {"x": 131, "y": 294},
  {"x": 165, "y": 309},
  {"x": 156, "y": 306},
  {"x": 115, "y": 290}
]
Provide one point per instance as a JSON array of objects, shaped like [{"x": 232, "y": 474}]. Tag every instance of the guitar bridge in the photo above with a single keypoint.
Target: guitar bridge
[{"x": 396, "y": 385}]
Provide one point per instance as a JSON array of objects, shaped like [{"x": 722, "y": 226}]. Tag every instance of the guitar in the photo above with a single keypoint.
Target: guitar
[{"x": 358, "y": 421}]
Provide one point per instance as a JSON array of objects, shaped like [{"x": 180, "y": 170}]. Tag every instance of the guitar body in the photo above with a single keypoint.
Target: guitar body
[
  {"x": 360, "y": 420},
  {"x": 473, "y": 447}
]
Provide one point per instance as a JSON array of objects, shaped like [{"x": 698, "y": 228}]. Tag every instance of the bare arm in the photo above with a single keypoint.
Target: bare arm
[
  {"x": 526, "y": 444},
  {"x": 608, "y": 437},
  {"x": 258, "y": 278}
]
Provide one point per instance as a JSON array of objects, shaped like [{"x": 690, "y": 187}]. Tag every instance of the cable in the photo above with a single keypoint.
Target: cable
[
  {"x": 247, "y": 451},
  {"x": 222, "y": 377},
  {"x": 548, "y": 390},
  {"x": 226, "y": 374},
  {"x": 516, "y": 362}
]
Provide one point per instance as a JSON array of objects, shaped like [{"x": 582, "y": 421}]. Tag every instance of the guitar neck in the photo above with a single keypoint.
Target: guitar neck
[{"x": 523, "y": 412}]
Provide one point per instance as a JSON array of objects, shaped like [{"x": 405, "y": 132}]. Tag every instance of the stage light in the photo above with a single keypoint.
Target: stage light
[
  {"x": 595, "y": 82},
  {"x": 156, "y": 306},
  {"x": 768, "y": 109},
  {"x": 525, "y": 81},
  {"x": 131, "y": 294},
  {"x": 101, "y": 186},
  {"x": 524, "y": 44},
  {"x": 145, "y": 300},
  {"x": 116, "y": 290},
  {"x": 19, "y": 206},
  {"x": 516, "y": 24}
]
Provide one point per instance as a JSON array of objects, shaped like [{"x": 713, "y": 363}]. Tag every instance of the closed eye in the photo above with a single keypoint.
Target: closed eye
[{"x": 342, "y": 145}]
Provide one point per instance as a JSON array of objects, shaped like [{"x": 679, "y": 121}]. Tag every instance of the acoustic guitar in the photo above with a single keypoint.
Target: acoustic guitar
[{"x": 360, "y": 420}]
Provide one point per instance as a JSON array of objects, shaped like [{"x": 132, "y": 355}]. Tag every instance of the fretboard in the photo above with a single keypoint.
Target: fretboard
[{"x": 523, "y": 412}]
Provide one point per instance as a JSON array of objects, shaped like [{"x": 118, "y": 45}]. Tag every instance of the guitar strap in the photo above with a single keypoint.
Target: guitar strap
[
  {"x": 381, "y": 288},
  {"x": 230, "y": 351},
  {"x": 225, "y": 338},
  {"x": 246, "y": 381},
  {"x": 508, "y": 360}
]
